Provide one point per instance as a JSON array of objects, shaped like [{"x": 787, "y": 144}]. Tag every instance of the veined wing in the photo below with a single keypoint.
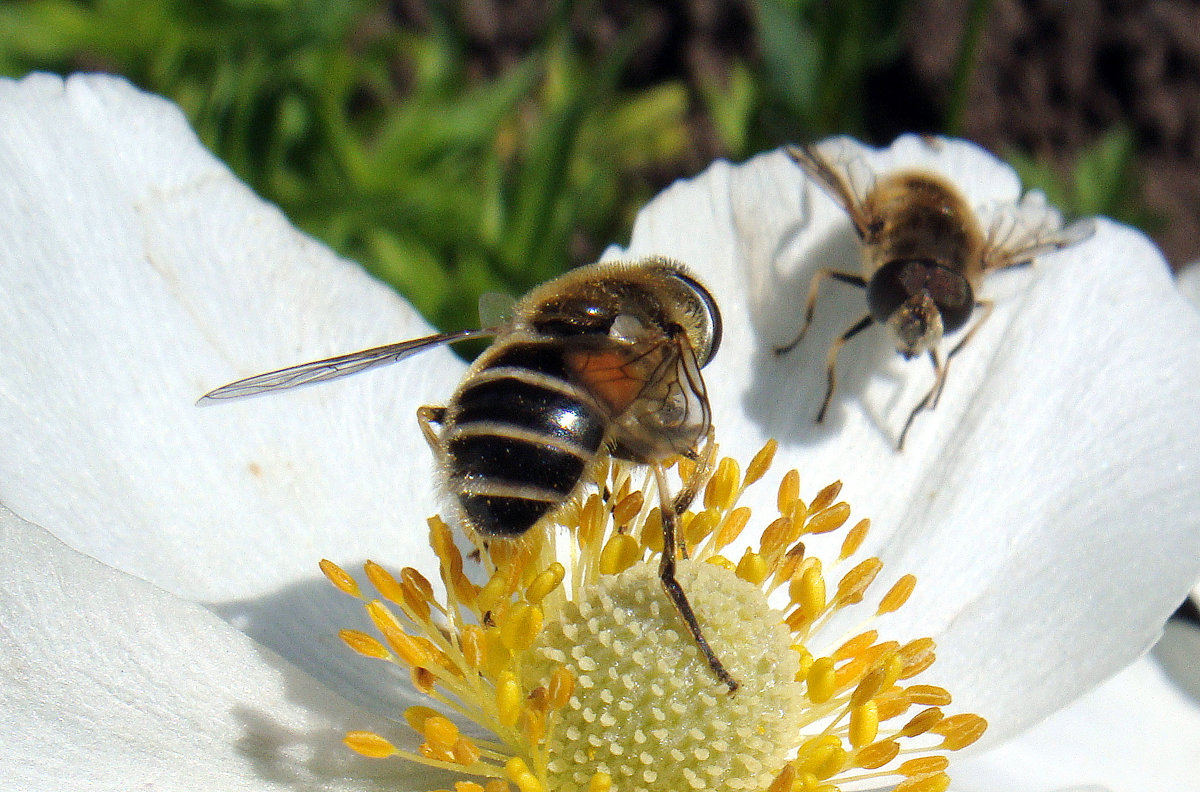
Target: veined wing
[
  {"x": 842, "y": 172},
  {"x": 336, "y": 367}
]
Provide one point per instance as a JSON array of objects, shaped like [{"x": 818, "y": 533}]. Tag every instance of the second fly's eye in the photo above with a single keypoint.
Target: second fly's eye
[{"x": 897, "y": 281}]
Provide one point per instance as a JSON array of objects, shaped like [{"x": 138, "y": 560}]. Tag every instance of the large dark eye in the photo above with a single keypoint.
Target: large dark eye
[
  {"x": 895, "y": 282},
  {"x": 714, "y": 315}
]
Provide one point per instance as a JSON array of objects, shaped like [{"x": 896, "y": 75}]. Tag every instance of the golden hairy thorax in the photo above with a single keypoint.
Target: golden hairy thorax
[{"x": 918, "y": 216}]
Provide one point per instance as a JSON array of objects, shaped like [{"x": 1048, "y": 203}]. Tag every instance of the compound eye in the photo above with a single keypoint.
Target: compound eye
[
  {"x": 713, "y": 315},
  {"x": 895, "y": 282}
]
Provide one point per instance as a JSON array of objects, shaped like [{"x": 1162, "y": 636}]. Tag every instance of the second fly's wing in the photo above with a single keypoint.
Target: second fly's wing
[{"x": 336, "y": 367}]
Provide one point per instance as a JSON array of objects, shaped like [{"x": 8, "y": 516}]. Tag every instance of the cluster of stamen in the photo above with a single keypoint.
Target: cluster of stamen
[{"x": 572, "y": 659}]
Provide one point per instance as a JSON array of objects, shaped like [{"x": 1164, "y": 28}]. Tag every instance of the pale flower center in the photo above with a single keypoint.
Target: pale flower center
[{"x": 647, "y": 709}]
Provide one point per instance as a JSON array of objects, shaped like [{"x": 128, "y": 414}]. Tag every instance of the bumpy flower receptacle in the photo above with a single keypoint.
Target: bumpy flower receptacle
[{"x": 572, "y": 658}]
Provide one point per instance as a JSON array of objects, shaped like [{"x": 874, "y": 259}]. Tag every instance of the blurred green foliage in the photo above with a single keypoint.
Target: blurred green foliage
[{"x": 447, "y": 182}]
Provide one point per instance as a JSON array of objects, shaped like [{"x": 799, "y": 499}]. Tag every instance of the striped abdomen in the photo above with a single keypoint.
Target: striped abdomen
[{"x": 519, "y": 436}]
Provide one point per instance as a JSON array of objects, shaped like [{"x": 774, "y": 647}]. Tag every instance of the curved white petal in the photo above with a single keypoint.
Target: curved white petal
[
  {"x": 1048, "y": 505},
  {"x": 111, "y": 684},
  {"x": 1189, "y": 282},
  {"x": 1133, "y": 733},
  {"x": 138, "y": 274}
]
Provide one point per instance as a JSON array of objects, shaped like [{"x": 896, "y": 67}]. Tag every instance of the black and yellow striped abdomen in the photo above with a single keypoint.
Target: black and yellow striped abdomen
[{"x": 519, "y": 435}]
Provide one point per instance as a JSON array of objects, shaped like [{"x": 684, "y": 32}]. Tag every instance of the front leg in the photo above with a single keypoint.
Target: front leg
[{"x": 810, "y": 305}]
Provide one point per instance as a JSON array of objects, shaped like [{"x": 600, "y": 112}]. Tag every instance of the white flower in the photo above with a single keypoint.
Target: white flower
[{"x": 1047, "y": 506}]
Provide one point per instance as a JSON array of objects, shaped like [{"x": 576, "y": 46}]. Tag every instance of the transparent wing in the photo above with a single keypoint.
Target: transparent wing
[
  {"x": 336, "y": 367},
  {"x": 1020, "y": 232},
  {"x": 842, "y": 172}
]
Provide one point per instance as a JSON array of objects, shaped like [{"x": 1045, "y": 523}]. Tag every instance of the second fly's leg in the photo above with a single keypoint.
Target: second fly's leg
[
  {"x": 930, "y": 398},
  {"x": 831, "y": 361},
  {"x": 942, "y": 370},
  {"x": 810, "y": 305},
  {"x": 666, "y": 574}
]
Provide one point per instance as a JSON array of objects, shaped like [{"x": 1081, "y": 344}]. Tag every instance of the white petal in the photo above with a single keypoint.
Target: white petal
[
  {"x": 138, "y": 275},
  {"x": 1189, "y": 282},
  {"x": 111, "y": 684},
  {"x": 1048, "y": 504},
  {"x": 1131, "y": 734}
]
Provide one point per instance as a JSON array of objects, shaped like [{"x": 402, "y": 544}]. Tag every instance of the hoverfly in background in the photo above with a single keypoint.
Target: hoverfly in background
[
  {"x": 924, "y": 255},
  {"x": 605, "y": 357}
]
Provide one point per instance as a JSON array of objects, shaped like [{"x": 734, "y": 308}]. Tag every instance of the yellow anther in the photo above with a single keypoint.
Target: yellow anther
[
  {"x": 828, "y": 519},
  {"x": 876, "y": 755},
  {"x": 440, "y": 730},
  {"x": 826, "y": 760},
  {"x": 416, "y": 716},
  {"x": 787, "y": 568},
  {"x": 521, "y": 626},
  {"x": 856, "y": 645},
  {"x": 423, "y": 680},
  {"x": 854, "y": 538},
  {"x": 407, "y": 648},
  {"x": 938, "y": 782},
  {"x": 628, "y": 508},
  {"x": 340, "y": 580},
  {"x": 776, "y": 536},
  {"x": 600, "y": 782},
  {"x": 821, "y": 680},
  {"x": 761, "y": 462},
  {"x": 724, "y": 485},
  {"x": 652, "y": 538},
  {"x": 466, "y": 752},
  {"x": 494, "y": 591},
  {"x": 535, "y": 726},
  {"x": 864, "y": 724},
  {"x": 416, "y": 585},
  {"x": 383, "y": 582},
  {"x": 892, "y": 703},
  {"x": 735, "y": 522},
  {"x": 620, "y": 552},
  {"x": 752, "y": 568},
  {"x": 959, "y": 731},
  {"x": 928, "y": 695},
  {"x": 917, "y": 655},
  {"x": 591, "y": 521},
  {"x": 808, "y": 590},
  {"x": 855, "y": 582},
  {"x": 369, "y": 744},
  {"x": 562, "y": 685},
  {"x": 700, "y": 526},
  {"x": 497, "y": 653},
  {"x": 783, "y": 782},
  {"x": 442, "y": 542},
  {"x": 789, "y": 492},
  {"x": 923, "y": 765},
  {"x": 546, "y": 581},
  {"x": 438, "y": 753},
  {"x": 467, "y": 786},
  {"x": 508, "y": 699},
  {"x": 364, "y": 644},
  {"x": 897, "y": 595},
  {"x": 474, "y": 646},
  {"x": 497, "y": 785},
  {"x": 881, "y": 676},
  {"x": 722, "y": 562},
  {"x": 825, "y": 497},
  {"x": 518, "y": 772},
  {"x": 922, "y": 722}
]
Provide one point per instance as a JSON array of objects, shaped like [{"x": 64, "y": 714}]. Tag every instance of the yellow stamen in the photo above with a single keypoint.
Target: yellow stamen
[{"x": 572, "y": 656}]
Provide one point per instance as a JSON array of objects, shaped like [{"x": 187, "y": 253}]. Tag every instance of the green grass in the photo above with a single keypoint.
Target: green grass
[{"x": 447, "y": 184}]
